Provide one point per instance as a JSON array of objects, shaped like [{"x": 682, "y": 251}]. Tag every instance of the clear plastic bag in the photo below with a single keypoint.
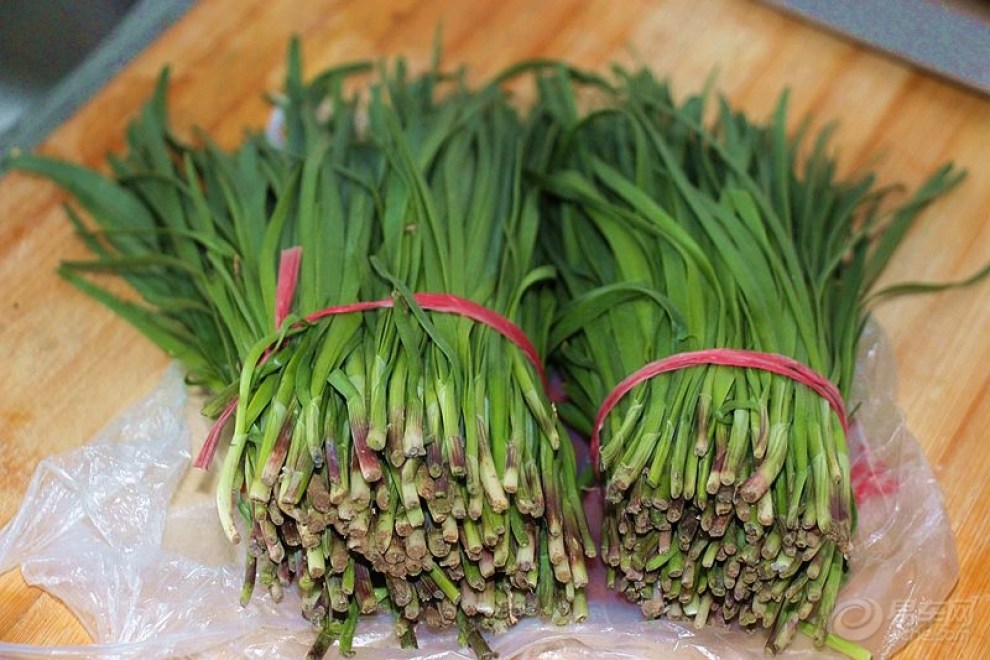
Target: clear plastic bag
[{"x": 137, "y": 555}]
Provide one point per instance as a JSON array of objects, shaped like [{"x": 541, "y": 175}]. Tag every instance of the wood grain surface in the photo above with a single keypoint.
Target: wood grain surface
[{"x": 70, "y": 366}]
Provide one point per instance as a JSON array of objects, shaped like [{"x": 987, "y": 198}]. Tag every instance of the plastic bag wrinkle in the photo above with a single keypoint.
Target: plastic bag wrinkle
[{"x": 152, "y": 576}]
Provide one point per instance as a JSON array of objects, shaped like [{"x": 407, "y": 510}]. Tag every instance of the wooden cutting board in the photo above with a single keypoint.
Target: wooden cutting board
[{"x": 70, "y": 366}]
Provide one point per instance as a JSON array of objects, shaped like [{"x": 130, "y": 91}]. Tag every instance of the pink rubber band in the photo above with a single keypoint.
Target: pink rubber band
[{"x": 727, "y": 357}]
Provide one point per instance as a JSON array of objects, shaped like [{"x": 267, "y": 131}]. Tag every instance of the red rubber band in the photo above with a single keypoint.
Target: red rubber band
[
  {"x": 285, "y": 288},
  {"x": 727, "y": 357},
  {"x": 451, "y": 304},
  {"x": 288, "y": 276},
  {"x": 213, "y": 437},
  {"x": 285, "y": 291}
]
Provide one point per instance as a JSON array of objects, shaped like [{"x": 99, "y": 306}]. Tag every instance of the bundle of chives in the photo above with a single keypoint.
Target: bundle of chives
[
  {"x": 390, "y": 458},
  {"x": 455, "y": 439},
  {"x": 727, "y": 490}
]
